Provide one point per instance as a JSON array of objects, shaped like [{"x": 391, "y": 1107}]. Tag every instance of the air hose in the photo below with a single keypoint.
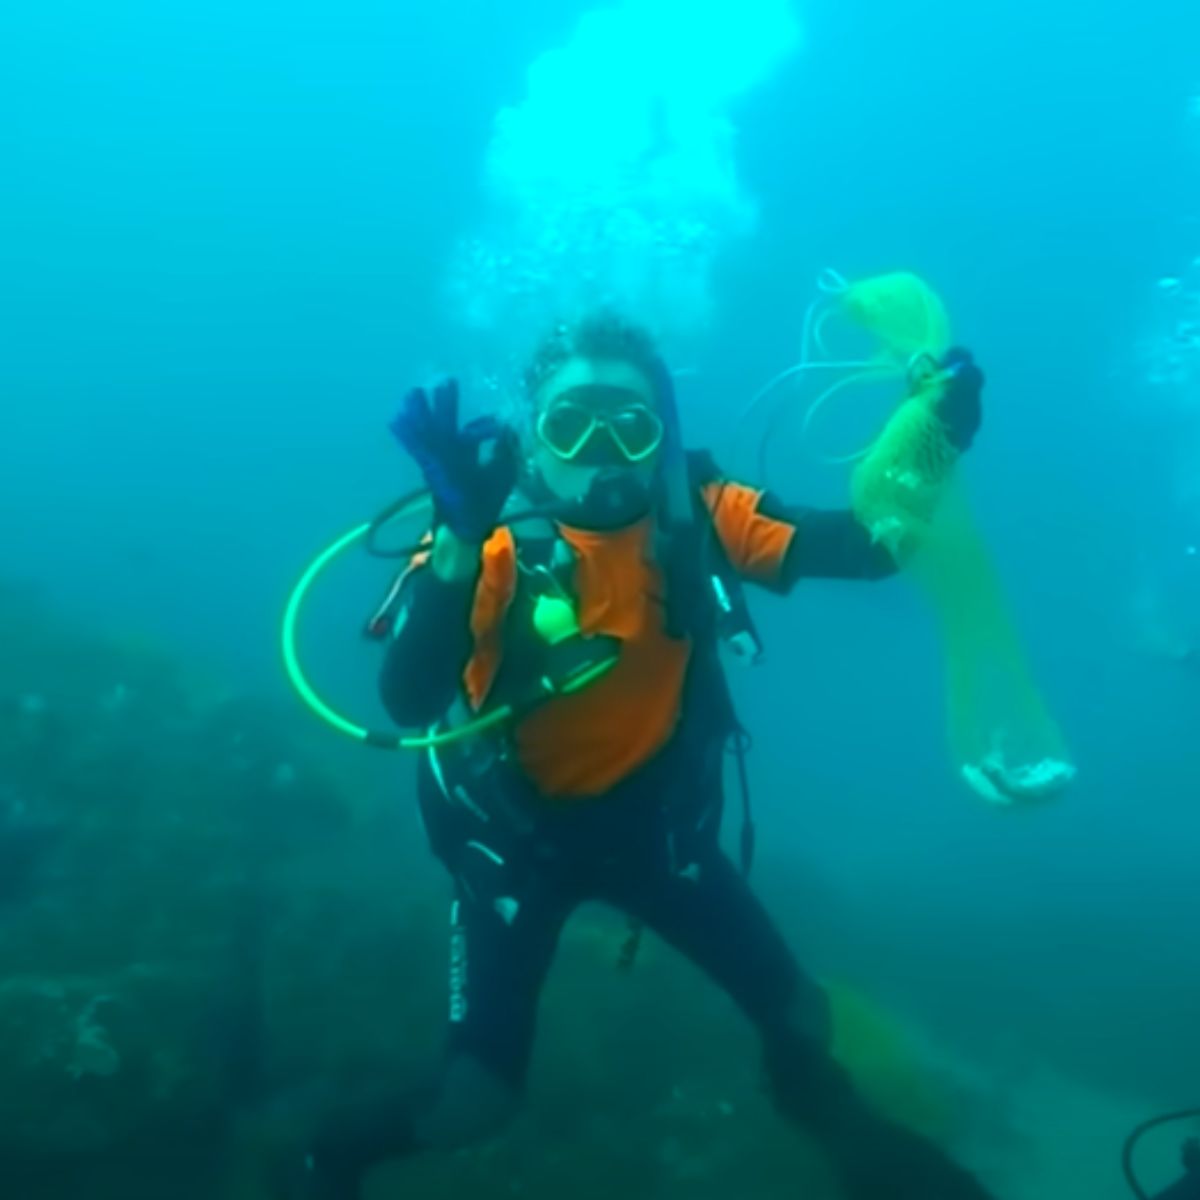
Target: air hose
[{"x": 368, "y": 533}]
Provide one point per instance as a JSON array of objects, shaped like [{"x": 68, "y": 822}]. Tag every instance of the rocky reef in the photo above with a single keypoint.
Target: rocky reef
[{"x": 196, "y": 921}]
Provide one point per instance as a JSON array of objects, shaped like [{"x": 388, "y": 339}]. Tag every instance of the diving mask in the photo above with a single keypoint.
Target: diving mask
[{"x": 597, "y": 425}]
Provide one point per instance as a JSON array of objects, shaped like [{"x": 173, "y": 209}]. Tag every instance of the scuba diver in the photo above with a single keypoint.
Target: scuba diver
[{"x": 584, "y": 572}]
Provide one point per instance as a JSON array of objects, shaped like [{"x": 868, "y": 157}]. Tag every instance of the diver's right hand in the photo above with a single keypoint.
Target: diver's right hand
[
  {"x": 469, "y": 471},
  {"x": 960, "y": 407}
]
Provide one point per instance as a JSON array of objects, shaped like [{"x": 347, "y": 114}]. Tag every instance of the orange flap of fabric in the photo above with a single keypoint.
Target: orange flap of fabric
[
  {"x": 756, "y": 545},
  {"x": 493, "y": 594}
]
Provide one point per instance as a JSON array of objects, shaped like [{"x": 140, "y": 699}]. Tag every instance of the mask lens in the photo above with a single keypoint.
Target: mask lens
[
  {"x": 595, "y": 425},
  {"x": 637, "y": 430},
  {"x": 565, "y": 428}
]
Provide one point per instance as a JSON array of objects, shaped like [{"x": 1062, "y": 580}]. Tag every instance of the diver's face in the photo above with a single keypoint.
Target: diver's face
[{"x": 596, "y": 422}]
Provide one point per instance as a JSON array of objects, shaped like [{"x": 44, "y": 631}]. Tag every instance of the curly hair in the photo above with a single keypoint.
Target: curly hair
[{"x": 602, "y": 334}]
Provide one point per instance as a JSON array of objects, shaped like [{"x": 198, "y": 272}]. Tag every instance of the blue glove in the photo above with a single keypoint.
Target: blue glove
[
  {"x": 469, "y": 485},
  {"x": 960, "y": 406}
]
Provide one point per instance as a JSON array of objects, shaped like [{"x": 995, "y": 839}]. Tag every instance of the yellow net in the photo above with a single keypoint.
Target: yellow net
[
  {"x": 884, "y": 1061},
  {"x": 904, "y": 315},
  {"x": 905, "y": 492}
]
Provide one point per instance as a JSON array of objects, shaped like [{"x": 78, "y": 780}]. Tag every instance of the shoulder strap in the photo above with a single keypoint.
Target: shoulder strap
[{"x": 705, "y": 595}]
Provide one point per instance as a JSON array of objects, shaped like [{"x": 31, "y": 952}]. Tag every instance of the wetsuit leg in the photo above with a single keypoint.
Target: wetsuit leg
[
  {"x": 502, "y": 941},
  {"x": 708, "y": 912},
  {"x": 501, "y": 947},
  {"x": 510, "y": 904},
  {"x": 498, "y": 962}
]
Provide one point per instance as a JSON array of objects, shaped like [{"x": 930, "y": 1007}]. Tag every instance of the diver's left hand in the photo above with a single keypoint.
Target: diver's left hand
[{"x": 961, "y": 407}]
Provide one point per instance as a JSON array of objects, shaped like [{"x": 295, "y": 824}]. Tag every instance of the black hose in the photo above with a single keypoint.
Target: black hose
[
  {"x": 1131, "y": 1143},
  {"x": 397, "y": 508}
]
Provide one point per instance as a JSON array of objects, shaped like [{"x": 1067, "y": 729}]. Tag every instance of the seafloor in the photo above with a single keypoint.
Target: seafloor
[{"x": 205, "y": 923}]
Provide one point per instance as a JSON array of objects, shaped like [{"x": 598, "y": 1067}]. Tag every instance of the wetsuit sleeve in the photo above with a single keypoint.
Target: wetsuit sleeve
[
  {"x": 430, "y": 646},
  {"x": 777, "y": 545},
  {"x": 828, "y": 544}
]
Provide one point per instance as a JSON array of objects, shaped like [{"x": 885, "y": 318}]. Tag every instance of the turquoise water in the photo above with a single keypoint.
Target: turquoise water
[{"x": 231, "y": 236}]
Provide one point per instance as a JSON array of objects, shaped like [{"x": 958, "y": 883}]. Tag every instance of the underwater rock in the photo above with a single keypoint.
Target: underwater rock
[
  {"x": 88, "y": 1062},
  {"x": 24, "y": 844},
  {"x": 211, "y": 929},
  {"x": 143, "y": 822}
]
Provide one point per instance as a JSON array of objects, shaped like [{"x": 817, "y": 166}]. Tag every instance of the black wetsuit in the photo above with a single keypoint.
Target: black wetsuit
[
  {"x": 650, "y": 848},
  {"x": 637, "y": 848}
]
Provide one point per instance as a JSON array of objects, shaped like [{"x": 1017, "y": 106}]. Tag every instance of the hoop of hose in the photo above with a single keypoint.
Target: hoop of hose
[
  {"x": 1136, "y": 1136},
  {"x": 386, "y": 739}
]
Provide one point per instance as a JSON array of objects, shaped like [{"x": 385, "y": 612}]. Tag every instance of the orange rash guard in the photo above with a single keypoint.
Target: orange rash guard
[{"x": 584, "y": 744}]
